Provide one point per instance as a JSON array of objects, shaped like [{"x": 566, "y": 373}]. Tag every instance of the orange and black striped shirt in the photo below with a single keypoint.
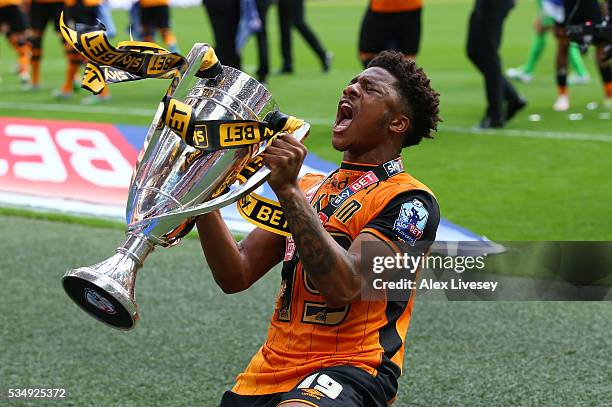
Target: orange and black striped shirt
[
  {"x": 86, "y": 3},
  {"x": 6, "y": 3},
  {"x": 394, "y": 6},
  {"x": 153, "y": 3},
  {"x": 306, "y": 335}
]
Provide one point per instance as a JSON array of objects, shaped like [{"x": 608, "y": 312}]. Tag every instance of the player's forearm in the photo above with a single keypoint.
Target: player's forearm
[
  {"x": 331, "y": 268},
  {"x": 222, "y": 253}
]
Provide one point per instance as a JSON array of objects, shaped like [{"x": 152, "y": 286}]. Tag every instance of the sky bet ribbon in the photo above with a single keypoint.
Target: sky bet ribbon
[
  {"x": 130, "y": 61},
  {"x": 212, "y": 135}
]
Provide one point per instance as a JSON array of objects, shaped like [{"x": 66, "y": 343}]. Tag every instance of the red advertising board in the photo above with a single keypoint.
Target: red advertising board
[{"x": 87, "y": 162}]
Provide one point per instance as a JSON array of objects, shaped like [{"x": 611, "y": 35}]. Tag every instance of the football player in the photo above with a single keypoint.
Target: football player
[
  {"x": 543, "y": 24},
  {"x": 12, "y": 15},
  {"x": 155, "y": 15},
  {"x": 327, "y": 344},
  {"x": 41, "y": 13},
  {"x": 390, "y": 25},
  {"x": 82, "y": 12}
]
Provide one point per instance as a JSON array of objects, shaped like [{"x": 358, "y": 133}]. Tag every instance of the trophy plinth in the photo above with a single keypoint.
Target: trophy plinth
[{"x": 106, "y": 290}]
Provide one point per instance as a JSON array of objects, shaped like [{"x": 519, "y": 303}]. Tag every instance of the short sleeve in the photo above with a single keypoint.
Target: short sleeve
[
  {"x": 309, "y": 181},
  {"x": 411, "y": 217}
]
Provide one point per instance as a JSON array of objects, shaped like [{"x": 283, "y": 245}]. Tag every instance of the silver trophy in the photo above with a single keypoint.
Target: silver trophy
[{"x": 172, "y": 183}]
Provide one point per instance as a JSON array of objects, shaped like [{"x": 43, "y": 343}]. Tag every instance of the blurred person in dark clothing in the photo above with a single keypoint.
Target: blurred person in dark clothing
[
  {"x": 262, "y": 41},
  {"x": 291, "y": 14},
  {"x": 41, "y": 13},
  {"x": 483, "y": 42},
  {"x": 224, "y": 16}
]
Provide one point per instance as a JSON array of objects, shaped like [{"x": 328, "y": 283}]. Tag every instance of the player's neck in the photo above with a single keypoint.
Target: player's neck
[{"x": 373, "y": 157}]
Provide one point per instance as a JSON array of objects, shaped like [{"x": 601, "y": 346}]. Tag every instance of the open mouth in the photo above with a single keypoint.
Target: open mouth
[{"x": 344, "y": 117}]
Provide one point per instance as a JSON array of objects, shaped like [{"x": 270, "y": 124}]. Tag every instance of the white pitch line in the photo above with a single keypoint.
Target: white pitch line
[
  {"x": 126, "y": 111},
  {"x": 18, "y": 87},
  {"x": 51, "y": 107},
  {"x": 605, "y": 138}
]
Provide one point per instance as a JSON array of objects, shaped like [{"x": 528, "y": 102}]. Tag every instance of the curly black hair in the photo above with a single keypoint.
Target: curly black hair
[{"x": 421, "y": 102}]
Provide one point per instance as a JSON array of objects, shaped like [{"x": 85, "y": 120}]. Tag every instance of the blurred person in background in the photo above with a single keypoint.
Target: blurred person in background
[
  {"x": 134, "y": 28},
  {"x": 155, "y": 16},
  {"x": 106, "y": 17},
  {"x": 262, "y": 41},
  {"x": 579, "y": 13},
  {"x": 291, "y": 14},
  {"x": 12, "y": 15},
  {"x": 249, "y": 23},
  {"x": 41, "y": 13},
  {"x": 224, "y": 16},
  {"x": 79, "y": 12},
  {"x": 545, "y": 23},
  {"x": 253, "y": 22},
  {"x": 484, "y": 39},
  {"x": 390, "y": 25}
]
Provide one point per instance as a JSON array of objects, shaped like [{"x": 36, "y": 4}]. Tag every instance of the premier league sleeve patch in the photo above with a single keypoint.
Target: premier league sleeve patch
[{"x": 411, "y": 221}]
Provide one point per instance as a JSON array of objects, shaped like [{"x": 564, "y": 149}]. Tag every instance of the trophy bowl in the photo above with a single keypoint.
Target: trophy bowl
[{"x": 172, "y": 183}]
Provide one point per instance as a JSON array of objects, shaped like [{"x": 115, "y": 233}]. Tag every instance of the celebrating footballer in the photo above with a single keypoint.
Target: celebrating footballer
[{"x": 327, "y": 345}]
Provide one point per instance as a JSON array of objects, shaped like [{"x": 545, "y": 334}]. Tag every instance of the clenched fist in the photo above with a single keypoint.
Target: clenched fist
[{"x": 284, "y": 158}]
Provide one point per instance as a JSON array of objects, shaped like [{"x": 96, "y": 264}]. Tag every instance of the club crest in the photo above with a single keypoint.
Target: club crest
[{"x": 411, "y": 221}]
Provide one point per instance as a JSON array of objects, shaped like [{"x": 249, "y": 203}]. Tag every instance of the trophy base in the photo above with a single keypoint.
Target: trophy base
[{"x": 101, "y": 297}]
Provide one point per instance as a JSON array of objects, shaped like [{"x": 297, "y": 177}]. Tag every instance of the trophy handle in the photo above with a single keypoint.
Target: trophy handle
[{"x": 233, "y": 195}]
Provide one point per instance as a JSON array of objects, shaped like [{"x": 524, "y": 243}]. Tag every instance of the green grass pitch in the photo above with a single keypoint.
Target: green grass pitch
[
  {"x": 527, "y": 185},
  {"x": 546, "y": 180},
  {"x": 192, "y": 340}
]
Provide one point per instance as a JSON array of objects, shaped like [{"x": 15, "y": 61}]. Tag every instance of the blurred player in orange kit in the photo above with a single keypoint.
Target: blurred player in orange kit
[
  {"x": 155, "y": 15},
  {"x": 43, "y": 12},
  {"x": 328, "y": 343},
  {"x": 390, "y": 25},
  {"x": 79, "y": 12},
  {"x": 12, "y": 15}
]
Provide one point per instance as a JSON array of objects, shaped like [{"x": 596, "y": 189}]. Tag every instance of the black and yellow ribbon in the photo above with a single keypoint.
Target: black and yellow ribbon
[
  {"x": 129, "y": 61},
  {"x": 210, "y": 67},
  {"x": 264, "y": 213},
  {"x": 212, "y": 135},
  {"x": 133, "y": 60}
]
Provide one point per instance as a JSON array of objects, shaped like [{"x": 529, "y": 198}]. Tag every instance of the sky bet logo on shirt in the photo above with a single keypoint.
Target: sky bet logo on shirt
[
  {"x": 341, "y": 197},
  {"x": 365, "y": 180}
]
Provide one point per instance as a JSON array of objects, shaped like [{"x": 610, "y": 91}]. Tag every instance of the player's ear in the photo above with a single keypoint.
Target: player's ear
[{"x": 399, "y": 124}]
